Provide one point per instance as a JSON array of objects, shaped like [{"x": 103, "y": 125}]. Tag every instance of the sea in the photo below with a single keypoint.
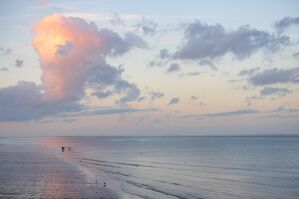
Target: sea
[{"x": 177, "y": 167}]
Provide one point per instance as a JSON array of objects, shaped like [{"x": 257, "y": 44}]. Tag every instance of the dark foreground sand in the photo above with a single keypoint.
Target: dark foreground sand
[{"x": 28, "y": 171}]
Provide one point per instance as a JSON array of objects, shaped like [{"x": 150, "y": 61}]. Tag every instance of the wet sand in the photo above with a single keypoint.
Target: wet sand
[{"x": 29, "y": 171}]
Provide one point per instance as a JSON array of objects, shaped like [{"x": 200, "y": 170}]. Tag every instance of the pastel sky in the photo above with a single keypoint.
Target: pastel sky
[{"x": 136, "y": 67}]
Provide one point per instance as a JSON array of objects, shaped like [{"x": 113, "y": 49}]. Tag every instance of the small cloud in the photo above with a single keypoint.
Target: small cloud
[
  {"x": 193, "y": 74},
  {"x": 116, "y": 20},
  {"x": 274, "y": 91},
  {"x": 5, "y": 51},
  {"x": 174, "y": 67},
  {"x": 202, "y": 104},
  {"x": 156, "y": 95},
  {"x": 140, "y": 99},
  {"x": 157, "y": 63},
  {"x": 147, "y": 27},
  {"x": 250, "y": 100},
  {"x": 279, "y": 109},
  {"x": 164, "y": 53},
  {"x": 268, "y": 91},
  {"x": 249, "y": 72},
  {"x": 275, "y": 76},
  {"x": 102, "y": 94},
  {"x": 3, "y": 69},
  {"x": 161, "y": 59},
  {"x": 296, "y": 54},
  {"x": 19, "y": 63},
  {"x": 133, "y": 40},
  {"x": 194, "y": 98},
  {"x": 132, "y": 93},
  {"x": 190, "y": 74},
  {"x": 174, "y": 100},
  {"x": 206, "y": 62},
  {"x": 283, "y": 109},
  {"x": 286, "y": 22},
  {"x": 292, "y": 110},
  {"x": 282, "y": 112}
]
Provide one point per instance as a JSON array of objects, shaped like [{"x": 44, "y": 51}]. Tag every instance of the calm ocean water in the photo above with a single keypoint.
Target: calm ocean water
[
  {"x": 191, "y": 167},
  {"x": 187, "y": 167}
]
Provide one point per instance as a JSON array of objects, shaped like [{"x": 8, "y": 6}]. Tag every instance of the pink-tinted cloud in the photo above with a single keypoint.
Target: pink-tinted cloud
[
  {"x": 70, "y": 50},
  {"x": 63, "y": 75},
  {"x": 72, "y": 55}
]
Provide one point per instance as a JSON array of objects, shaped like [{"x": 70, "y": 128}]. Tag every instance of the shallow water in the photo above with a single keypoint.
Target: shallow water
[
  {"x": 30, "y": 171},
  {"x": 187, "y": 167}
]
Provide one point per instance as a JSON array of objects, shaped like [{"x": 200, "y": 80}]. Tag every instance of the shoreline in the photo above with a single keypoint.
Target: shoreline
[{"x": 31, "y": 171}]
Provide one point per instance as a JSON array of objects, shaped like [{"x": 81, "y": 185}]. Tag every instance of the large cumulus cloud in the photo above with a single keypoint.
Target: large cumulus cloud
[
  {"x": 72, "y": 50},
  {"x": 72, "y": 55}
]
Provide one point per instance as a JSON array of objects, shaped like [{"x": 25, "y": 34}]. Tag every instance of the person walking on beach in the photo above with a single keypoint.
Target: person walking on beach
[{"x": 62, "y": 150}]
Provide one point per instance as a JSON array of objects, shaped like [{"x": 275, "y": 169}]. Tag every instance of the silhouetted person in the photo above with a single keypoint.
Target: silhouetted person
[{"x": 62, "y": 149}]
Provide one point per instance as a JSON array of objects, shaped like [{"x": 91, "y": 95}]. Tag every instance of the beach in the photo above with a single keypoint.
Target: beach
[{"x": 28, "y": 170}]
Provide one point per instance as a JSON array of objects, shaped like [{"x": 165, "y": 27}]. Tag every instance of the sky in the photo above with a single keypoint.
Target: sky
[{"x": 136, "y": 67}]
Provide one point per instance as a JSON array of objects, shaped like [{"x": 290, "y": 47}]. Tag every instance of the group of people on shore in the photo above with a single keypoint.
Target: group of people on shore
[{"x": 63, "y": 148}]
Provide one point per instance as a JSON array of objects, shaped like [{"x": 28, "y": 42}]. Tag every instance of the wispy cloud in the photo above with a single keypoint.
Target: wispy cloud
[
  {"x": 286, "y": 22},
  {"x": 5, "y": 51},
  {"x": 249, "y": 72},
  {"x": 190, "y": 74},
  {"x": 223, "y": 114},
  {"x": 147, "y": 26},
  {"x": 206, "y": 62},
  {"x": 282, "y": 112},
  {"x": 174, "y": 67},
  {"x": 106, "y": 111},
  {"x": 156, "y": 95},
  {"x": 3, "y": 69},
  {"x": 274, "y": 91}
]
